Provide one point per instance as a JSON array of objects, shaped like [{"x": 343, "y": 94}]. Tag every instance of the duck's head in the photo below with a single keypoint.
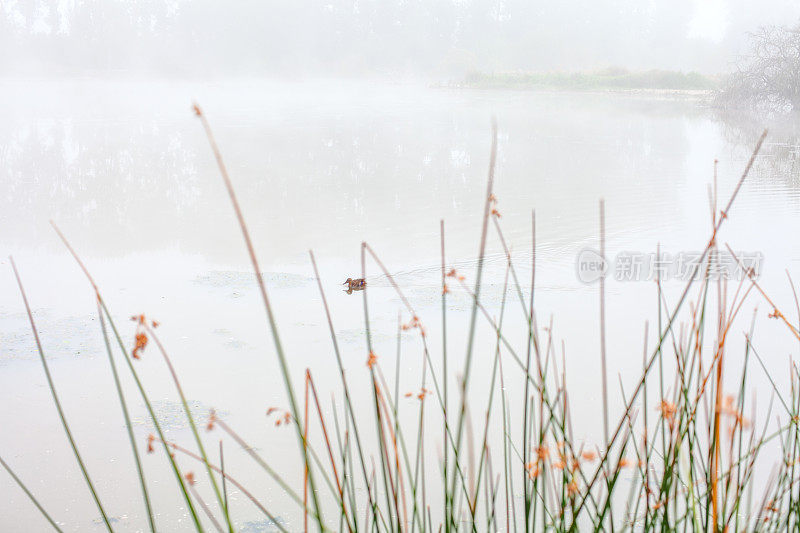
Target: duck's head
[{"x": 348, "y": 281}]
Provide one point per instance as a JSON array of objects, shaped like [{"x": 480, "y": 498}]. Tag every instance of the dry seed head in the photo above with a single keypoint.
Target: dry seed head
[
  {"x": 572, "y": 488},
  {"x": 542, "y": 452},
  {"x": 141, "y": 343},
  {"x": 588, "y": 455},
  {"x": 372, "y": 359}
]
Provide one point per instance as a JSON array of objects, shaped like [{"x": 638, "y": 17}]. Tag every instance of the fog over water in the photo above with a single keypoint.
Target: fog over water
[
  {"x": 338, "y": 125},
  {"x": 438, "y": 38}
]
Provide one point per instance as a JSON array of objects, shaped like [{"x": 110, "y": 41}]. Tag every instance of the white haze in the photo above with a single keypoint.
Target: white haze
[{"x": 325, "y": 38}]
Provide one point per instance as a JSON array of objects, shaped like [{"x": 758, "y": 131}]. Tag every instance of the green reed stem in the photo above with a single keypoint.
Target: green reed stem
[
  {"x": 29, "y": 494},
  {"x": 57, "y": 402},
  {"x": 193, "y": 426},
  {"x": 127, "y": 416},
  {"x": 287, "y": 379},
  {"x": 176, "y": 471}
]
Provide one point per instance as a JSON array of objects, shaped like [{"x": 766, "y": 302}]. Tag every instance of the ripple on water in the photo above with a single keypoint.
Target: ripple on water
[
  {"x": 171, "y": 416},
  {"x": 261, "y": 526},
  {"x": 239, "y": 280},
  {"x": 70, "y": 336}
]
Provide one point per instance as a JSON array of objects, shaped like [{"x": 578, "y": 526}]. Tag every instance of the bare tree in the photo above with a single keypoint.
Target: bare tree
[{"x": 768, "y": 78}]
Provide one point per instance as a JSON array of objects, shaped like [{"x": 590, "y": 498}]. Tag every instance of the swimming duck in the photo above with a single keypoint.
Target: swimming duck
[{"x": 355, "y": 284}]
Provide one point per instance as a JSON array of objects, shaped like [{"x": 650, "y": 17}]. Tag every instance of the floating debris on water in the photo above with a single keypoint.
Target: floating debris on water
[
  {"x": 261, "y": 526},
  {"x": 171, "y": 416}
]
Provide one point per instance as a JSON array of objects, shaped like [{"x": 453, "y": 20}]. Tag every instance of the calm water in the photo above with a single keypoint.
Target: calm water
[{"x": 126, "y": 172}]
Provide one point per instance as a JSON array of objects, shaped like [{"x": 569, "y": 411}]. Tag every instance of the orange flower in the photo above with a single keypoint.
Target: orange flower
[
  {"x": 190, "y": 478},
  {"x": 156, "y": 323},
  {"x": 150, "y": 439},
  {"x": 141, "y": 342},
  {"x": 727, "y": 404},
  {"x": 559, "y": 465},
  {"x": 496, "y": 213},
  {"x": 413, "y": 323},
  {"x": 212, "y": 418},
  {"x": 409, "y": 394},
  {"x": 729, "y": 409},
  {"x": 589, "y": 455},
  {"x": 533, "y": 470},
  {"x": 542, "y": 452},
  {"x": 668, "y": 411},
  {"x": 372, "y": 359},
  {"x": 445, "y": 289},
  {"x": 271, "y": 410},
  {"x": 452, "y": 273},
  {"x": 572, "y": 488},
  {"x": 492, "y": 199},
  {"x": 771, "y": 507},
  {"x": 624, "y": 462}
]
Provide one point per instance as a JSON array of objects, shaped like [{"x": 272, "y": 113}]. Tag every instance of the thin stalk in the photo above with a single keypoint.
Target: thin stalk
[
  {"x": 176, "y": 471},
  {"x": 127, "y": 417},
  {"x": 192, "y": 424},
  {"x": 30, "y": 495},
  {"x": 57, "y": 402},
  {"x": 474, "y": 313},
  {"x": 268, "y": 307}
]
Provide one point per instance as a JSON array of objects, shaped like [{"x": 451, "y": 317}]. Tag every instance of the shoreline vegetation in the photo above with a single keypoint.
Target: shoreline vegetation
[
  {"x": 680, "y": 455},
  {"x": 608, "y": 79}
]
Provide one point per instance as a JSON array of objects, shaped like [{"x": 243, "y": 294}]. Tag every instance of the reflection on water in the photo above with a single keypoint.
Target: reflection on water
[
  {"x": 742, "y": 128},
  {"x": 125, "y": 170},
  {"x": 318, "y": 165}
]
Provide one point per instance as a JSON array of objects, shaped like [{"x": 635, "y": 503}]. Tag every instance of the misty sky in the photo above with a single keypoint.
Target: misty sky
[{"x": 429, "y": 38}]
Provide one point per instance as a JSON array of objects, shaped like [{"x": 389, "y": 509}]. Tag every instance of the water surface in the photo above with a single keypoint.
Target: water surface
[{"x": 125, "y": 170}]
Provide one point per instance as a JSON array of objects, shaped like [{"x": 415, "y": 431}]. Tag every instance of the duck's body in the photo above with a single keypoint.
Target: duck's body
[{"x": 355, "y": 284}]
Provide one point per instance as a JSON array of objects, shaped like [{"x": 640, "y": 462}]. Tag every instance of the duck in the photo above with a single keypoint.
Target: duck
[{"x": 355, "y": 284}]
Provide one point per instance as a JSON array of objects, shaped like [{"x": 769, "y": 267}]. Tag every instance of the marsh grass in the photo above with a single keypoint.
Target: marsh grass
[{"x": 689, "y": 466}]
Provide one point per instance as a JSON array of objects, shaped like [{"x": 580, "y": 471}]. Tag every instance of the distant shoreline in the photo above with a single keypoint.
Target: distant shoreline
[{"x": 613, "y": 80}]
